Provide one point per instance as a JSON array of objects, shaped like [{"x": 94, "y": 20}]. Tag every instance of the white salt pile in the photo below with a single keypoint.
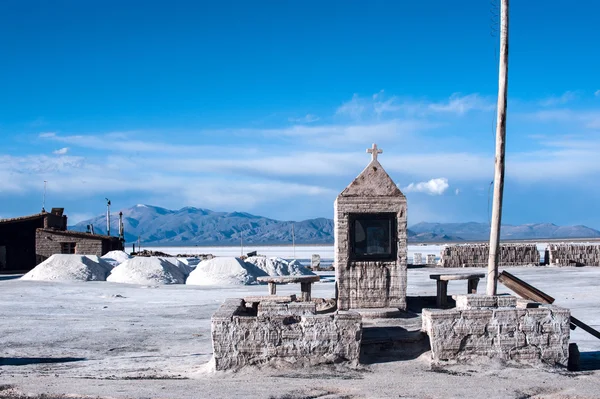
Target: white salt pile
[
  {"x": 147, "y": 271},
  {"x": 275, "y": 266},
  {"x": 180, "y": 265},
  {"x": 224, "y": 271},
  {"x": 70, "y": 268},
  {"x": 115, "y": 258}
]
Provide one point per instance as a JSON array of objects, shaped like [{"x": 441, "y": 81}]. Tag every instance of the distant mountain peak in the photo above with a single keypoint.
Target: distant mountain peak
[{"x": 197, "y": 226}]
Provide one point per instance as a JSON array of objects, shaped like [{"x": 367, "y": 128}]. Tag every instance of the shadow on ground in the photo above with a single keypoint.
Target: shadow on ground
[
  {"x": 589, "y": 361},
  {"x": 25, "y": 361},
  {"x": 10, "y": 276},
  {"x": 416, "y": 304}
]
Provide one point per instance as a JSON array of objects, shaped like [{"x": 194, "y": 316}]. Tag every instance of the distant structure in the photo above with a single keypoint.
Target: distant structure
[
  {"x": 29, "y": 240},
  {"x": 370, "y": 241}
]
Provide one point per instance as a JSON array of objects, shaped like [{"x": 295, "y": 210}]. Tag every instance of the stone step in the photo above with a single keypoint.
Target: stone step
[{"x": 377, "y": 313}]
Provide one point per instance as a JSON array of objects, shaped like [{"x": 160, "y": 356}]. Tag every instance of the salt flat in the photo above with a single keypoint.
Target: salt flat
[
  {"x": 301, "y": 252},
  {"x": 120, "y": 341}
]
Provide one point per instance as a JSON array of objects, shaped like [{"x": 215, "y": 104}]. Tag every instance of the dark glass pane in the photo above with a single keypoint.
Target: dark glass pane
[{"x": 373, "y": 236}]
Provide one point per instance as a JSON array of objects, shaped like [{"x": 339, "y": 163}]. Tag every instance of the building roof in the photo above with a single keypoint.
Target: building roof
[
  {"x": 373, "y": 181},
  {"x": 24, "y": 218},
  {"x": 79, "y": 234}
]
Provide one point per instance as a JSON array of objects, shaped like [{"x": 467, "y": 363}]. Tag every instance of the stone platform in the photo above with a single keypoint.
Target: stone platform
[
  {"x": 498, "y": 327},
  {"x": 282, "y": 334}
]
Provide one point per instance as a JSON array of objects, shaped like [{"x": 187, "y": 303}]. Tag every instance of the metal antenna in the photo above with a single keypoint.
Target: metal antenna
[
  {"x": 107, "y": 216},
  {"x": 44, "y": 198}
]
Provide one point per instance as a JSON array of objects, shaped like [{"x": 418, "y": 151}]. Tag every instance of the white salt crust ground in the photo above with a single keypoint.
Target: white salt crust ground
[
  {"x": 224, "y": 271},
  {"x": 115, "y": 258},
  {"x": 147, "y": 271},
  {"x": 275, "y": 266},
  {"x": 70, "y": 268},
  {"x": 131, "y": 341}
]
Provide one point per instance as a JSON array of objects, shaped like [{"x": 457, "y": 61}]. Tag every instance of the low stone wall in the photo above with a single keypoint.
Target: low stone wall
[
  {"x": 477, "y": 255},
  {"x": 574, "y": 254},
  {"x": 498, "y": 327},
  {"x": 283, "y": 334}
]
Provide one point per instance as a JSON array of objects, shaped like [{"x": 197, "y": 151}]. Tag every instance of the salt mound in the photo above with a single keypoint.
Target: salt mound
[
  {"x": 279, "y": 267},
  {"x": 224, "y": 271},
  {"x": 147, "y": 271},
  {"x": 115, "y": 258},
  {"x": 186, "y": 269},
  {"x": 64, "y": 267}
]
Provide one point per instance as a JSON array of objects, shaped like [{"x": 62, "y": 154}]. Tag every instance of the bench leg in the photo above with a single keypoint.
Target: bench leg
[
  {"x": 305, "y": 289},
  {"x": 472, "y": 286},
  {"x": 272, "y": 289},
  {"x": 442, "y": 294}
]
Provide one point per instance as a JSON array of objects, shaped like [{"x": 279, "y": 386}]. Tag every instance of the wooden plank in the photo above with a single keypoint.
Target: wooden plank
[
  {"x": 523, "y": 289},
  {"x": 533, "y": 294},
  {"x": 585, "y": 327}
]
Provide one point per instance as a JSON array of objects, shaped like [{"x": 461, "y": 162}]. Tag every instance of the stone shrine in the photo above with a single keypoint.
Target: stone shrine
[{"x": 370, "y": 241}]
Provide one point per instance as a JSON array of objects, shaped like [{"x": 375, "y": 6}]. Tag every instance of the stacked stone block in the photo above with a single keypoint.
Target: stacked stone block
[
  {"x": 477, "y": 255},
  {"x": 431, "y": 259},
  {"x": 418, "y": 258},
  {"x": 497, "y": 327},
  {"x": 574, "y": 254},
  {"x": 283, "y": 334}
]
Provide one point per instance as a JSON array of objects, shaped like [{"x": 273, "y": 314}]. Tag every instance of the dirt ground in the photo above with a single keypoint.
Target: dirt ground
[{"x": 109, "y": 340}]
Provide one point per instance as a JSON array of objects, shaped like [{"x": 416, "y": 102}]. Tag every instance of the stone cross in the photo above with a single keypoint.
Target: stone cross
[{"x": 374, "y": 151}]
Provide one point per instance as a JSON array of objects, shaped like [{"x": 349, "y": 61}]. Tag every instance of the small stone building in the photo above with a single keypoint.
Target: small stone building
[
  {"x": 49, "y": 242},
  {"x": 370, "y": 241},
  {"x": 18, "y": 235},
  {"x": 28, "y": 240}
]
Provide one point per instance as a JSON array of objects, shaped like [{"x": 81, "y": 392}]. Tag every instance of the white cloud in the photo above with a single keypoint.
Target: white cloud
[
  {"x": 432, "y": 187},
  {"x": 597, "y": 93},
  {"x": 459, "y": 104},
  {"x": 457, "y": 191},
  {"x": 376, "y": 106},
  {"x": 353, "y": 108},
  {"x": 47, "y": 134},
  {"x": 308, "y": 118},
  {"x": 340, "y": 135},
  {"x": 61, "y": 151},
  {"x": 566, "y": 97},
  {"x": 589, "y": 119}
]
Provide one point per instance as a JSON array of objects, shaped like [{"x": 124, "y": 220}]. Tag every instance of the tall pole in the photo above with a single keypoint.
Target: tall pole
[
  {"x": 294, "y": 241},
  {"x": 107, "y": 216},
  {"x": 492, "y": 274},
  {"x": 44, "y": 200}
]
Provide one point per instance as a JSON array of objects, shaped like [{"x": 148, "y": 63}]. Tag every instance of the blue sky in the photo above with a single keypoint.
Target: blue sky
[{"x": 268, "y": 106}]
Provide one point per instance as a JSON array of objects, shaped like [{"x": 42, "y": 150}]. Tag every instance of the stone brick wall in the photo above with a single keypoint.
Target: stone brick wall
[
  {"x": 48, "y": 243},
  {"x": 574, "y": 254},
  {"x": 495, "y": 327},
  {"x": 288, "y": 334},
  {"x": 362, "y": 284},
  {"x": 476, "y": 255}
]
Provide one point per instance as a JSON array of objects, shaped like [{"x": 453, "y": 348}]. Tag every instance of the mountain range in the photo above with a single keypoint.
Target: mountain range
[{"x": 197, "y": 226}]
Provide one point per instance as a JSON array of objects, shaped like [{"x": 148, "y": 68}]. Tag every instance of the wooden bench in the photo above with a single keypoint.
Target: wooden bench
[
  {"x": 305, "y": 283},
  {"x": 442, "y": 285}
]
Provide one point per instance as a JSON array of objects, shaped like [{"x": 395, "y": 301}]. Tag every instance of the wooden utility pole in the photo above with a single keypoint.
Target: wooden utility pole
[{"x": 492, "y": 274}]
